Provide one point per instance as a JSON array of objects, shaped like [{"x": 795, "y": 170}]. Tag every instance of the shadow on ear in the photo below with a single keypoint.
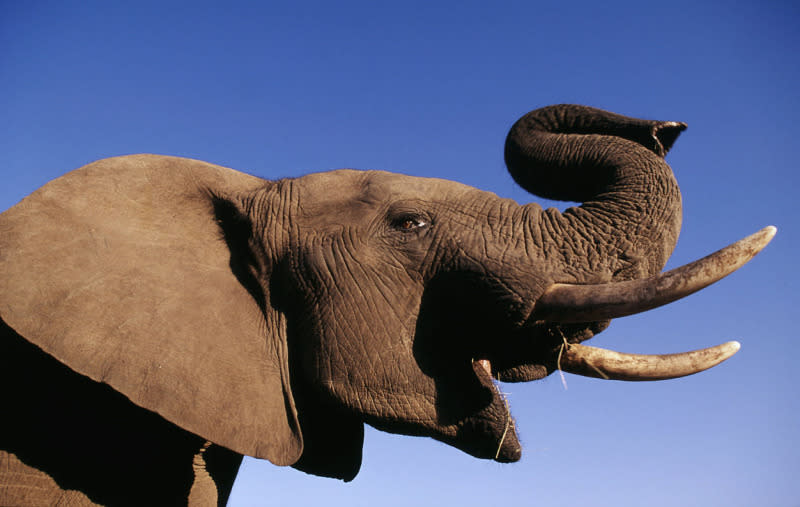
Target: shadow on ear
[{"x": 132, "y": 271}]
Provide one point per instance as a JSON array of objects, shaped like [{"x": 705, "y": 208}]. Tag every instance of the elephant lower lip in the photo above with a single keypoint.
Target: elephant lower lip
[
  {"x": 506, "y": 448},
  {"x": 485, "y": 364}
]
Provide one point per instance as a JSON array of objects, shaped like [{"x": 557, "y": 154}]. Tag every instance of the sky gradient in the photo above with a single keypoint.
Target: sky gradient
[{"x": 430, "y": 89}]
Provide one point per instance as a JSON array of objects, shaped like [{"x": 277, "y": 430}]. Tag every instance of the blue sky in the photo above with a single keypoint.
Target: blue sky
[{"x": 430, "y": 89}]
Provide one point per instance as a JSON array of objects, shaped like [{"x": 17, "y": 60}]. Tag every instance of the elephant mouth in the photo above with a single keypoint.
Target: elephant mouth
[
  {"x": 568, "y": 314},
  {"x": 564, "y": 304}
]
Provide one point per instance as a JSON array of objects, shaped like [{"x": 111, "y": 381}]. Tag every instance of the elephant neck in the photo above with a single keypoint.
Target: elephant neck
[
  {"x": 24, "y": 485},
  {"x": 67, "y": 440}
]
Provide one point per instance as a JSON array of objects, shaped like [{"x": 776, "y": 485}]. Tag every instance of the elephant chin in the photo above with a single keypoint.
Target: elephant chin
[{"x": 491, "y": 433}]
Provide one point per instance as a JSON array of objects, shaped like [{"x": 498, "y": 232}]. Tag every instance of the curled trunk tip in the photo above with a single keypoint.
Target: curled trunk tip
[{"x": 665, "y": 134}]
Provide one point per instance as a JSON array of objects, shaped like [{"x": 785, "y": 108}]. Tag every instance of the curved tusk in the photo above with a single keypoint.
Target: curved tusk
[
  {"x": 589, "y": 303},
  {"x": 611, "y": 365}
]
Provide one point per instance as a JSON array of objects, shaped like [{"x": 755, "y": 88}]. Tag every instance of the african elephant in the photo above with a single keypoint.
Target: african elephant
[{"x": 162, "y": 317}]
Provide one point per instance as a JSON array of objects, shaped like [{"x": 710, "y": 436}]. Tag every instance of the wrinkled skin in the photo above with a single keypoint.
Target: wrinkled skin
[{"x": 274, "y": 319}]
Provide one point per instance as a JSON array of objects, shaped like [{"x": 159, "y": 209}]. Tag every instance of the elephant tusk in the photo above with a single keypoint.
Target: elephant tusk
[
  {"x": 611, "y": 365},
  {"x": 589, "y": 303}
]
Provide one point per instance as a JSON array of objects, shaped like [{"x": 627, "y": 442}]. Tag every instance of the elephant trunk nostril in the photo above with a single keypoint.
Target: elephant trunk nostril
[{"x": 665, "y": 135}]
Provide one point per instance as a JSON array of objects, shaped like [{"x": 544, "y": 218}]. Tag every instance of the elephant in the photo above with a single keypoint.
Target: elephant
[{"x": 162, "y": 317}]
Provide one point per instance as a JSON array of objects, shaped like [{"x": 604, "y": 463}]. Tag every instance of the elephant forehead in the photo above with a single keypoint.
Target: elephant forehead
[{"x": 347, "y": 188}]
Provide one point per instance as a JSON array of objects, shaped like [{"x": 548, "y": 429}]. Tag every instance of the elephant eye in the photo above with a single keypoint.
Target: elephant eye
[{"x": 409, "y": 223}]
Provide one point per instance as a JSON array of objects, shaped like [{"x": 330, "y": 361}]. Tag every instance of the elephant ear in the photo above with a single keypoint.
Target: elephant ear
[{"x": 124, "y": 271}]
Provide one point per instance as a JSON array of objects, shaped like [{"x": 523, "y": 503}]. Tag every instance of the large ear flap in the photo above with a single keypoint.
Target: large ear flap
[{"x": 122, "y": 270}]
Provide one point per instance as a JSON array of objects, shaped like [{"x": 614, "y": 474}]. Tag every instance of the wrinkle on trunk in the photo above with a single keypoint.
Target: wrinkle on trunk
[{"x": 630, "y": 218}]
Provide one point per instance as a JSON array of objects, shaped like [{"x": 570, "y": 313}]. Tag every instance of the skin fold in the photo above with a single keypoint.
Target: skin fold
[{"x": 161, "y": 316}]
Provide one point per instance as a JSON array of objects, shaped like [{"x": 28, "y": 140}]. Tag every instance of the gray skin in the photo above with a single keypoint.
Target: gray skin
[{"x": 162, "y": 317}]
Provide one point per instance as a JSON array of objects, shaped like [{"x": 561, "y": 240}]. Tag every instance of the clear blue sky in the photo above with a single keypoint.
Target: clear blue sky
[{"x": 430, "y": 88}]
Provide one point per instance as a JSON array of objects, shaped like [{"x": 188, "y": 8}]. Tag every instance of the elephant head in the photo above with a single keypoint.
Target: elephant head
[{"x": 275, "y": 318}]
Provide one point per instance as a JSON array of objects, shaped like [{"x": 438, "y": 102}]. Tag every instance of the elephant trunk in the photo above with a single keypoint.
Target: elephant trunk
[
  {"x": 626, "y": 229},
  {"x": 630, "y": 218}
]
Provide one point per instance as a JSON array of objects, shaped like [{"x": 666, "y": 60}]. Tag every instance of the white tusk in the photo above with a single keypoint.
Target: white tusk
[
  {"x": 611, "y": 365},
  {"x": 589, "y": 303}
]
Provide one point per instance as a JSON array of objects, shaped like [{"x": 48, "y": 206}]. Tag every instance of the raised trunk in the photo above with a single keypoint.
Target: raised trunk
[{"x": 630, "y": 218}]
